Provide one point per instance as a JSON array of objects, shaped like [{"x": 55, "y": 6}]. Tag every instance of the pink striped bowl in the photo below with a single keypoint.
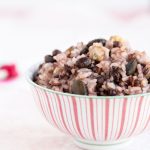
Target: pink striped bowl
[{"x": 94, "y": 122}]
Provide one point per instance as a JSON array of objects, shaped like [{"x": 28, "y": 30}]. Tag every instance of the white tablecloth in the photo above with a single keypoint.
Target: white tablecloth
[{"x": 30, "y": 30}]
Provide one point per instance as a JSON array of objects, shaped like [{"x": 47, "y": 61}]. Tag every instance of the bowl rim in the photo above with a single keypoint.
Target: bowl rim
[{"x": 30, "y": 72}]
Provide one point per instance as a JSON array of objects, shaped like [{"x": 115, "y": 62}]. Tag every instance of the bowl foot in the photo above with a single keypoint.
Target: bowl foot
[{"x": 92, "y": 145}]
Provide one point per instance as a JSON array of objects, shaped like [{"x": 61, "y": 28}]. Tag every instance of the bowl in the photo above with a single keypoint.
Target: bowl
[{"x": 94, "y": 122}]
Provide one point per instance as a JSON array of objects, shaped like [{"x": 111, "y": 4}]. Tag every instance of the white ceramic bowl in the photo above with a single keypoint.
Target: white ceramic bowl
[{"x": 95, "y": 122}]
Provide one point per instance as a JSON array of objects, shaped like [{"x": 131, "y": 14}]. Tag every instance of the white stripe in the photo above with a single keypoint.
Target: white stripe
[
  {"x": 147, "y": 114},
  {"x": 141, "y": 117},
  {"x": 121, "y": 101},
  {"x": 127, "y": 118},
  {"x": 52, "y": 109},
  {"x": 89, "y": 118},
  {"x": 132, "y": 114},
  {"x": 44, "y": 100},
  {"x": 95, "y": 118},
  {"x": 135, "y": 115},
  {"x": 42, "y": 104},
  {"x": 81, "y": 125},
  {"x": 116, "y": 118},
  {"x": 84, "y": 117},
  {"x": 62, "y": 101},
  {"x": 69, "y": 116},
  {"x": 99, "y": 107},
  {"x": 36, "y": 98},
  {"x": 110, "y": 119},
  {"x": 79, "y": 116}
]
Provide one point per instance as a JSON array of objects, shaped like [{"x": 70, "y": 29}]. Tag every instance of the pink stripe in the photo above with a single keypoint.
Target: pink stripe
[
  {"x": 106, "y": 117},
  {"x": 50, "y": 110},
  {"x": 65, "y": 111},
  {"x": 92, "y": 118},
  {"x": 148, "y": 121},
  {"x": 39, "y": 99},
  {"x": 61, "y": 113},
  {"x": 97, "y": 117},
  {"x": 142, "y": 116},
  {"x": 82, "y": 119},
  {"x": 102, "y": 117},
  {"x": 76, "y": 116},
  {"x": 118, "y": 119},
  {"x": 123, "y": 117},
  {"x": 137, "y": 116},
  {"x": 46, "y": 108},
  {"x": 128, "y": 115},
  {"x": 132, "y": 115},
  {"x": 112, "y": 118},
  {"x": 71, "y": 116},
  {"x": 54, "y": 112}
]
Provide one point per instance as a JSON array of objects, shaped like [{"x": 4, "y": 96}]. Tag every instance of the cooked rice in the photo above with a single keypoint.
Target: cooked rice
[{"x": 103, "y": 67}]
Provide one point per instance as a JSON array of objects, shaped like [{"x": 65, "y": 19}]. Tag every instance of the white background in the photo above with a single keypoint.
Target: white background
[{"x": 29, "y": 30}]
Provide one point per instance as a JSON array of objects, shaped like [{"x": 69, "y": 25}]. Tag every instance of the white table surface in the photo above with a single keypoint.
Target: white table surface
[{"x": 30, "y": 30}]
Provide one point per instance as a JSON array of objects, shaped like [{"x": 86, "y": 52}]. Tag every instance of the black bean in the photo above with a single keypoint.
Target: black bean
[
  {"x": 65, "y": 90},
  {"x": 67, "y": 71},
  {"x": 103, "y": 41},
  {"x": 78, "y": 87},
  {"x": 86, "y": 49},
  {"x": 133, "y": 82},
  {"x": 49, "y": 58},
  {"x": 55, "y": 52},
  {"x": 93, "y": 67},
  {"x": 116, "y": 44},
  {"x": 83, "y": 62},
  {"x": 137, "y": 83},
  {"x": 115, "y": 72},
  {"x": 100, "y": 80},
  {"x": 131, "y": 67},
  {"x": 149, "y": 81}
]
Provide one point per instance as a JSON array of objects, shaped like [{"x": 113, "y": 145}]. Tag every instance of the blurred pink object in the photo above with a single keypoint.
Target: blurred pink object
[
  {"x": 129, "y": 15},
  {"x": 8, "y": 72}
]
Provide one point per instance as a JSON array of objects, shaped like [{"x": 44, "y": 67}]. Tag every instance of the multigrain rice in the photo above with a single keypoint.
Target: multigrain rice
[{"x": 101, "y": 67}]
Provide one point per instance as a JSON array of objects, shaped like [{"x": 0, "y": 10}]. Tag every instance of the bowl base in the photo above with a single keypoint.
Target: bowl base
[{"x": 92, "y": 145}]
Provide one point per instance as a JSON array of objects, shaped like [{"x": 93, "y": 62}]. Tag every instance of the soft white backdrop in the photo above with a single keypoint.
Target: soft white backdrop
[{"x": 31, "y": 29}]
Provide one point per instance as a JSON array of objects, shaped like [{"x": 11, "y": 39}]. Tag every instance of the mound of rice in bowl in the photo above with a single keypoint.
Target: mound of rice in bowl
[{"x": 101, "y": 67}]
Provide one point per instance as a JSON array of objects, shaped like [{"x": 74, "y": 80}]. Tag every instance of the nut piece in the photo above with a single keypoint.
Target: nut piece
[
  {"x": 83, "y": 62},
  {"x": 57, "y": 71},
  {"x": 69, "y": 50},
  {"x": 116, "y": 38},
  {"x": 98, "y": 52}
]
